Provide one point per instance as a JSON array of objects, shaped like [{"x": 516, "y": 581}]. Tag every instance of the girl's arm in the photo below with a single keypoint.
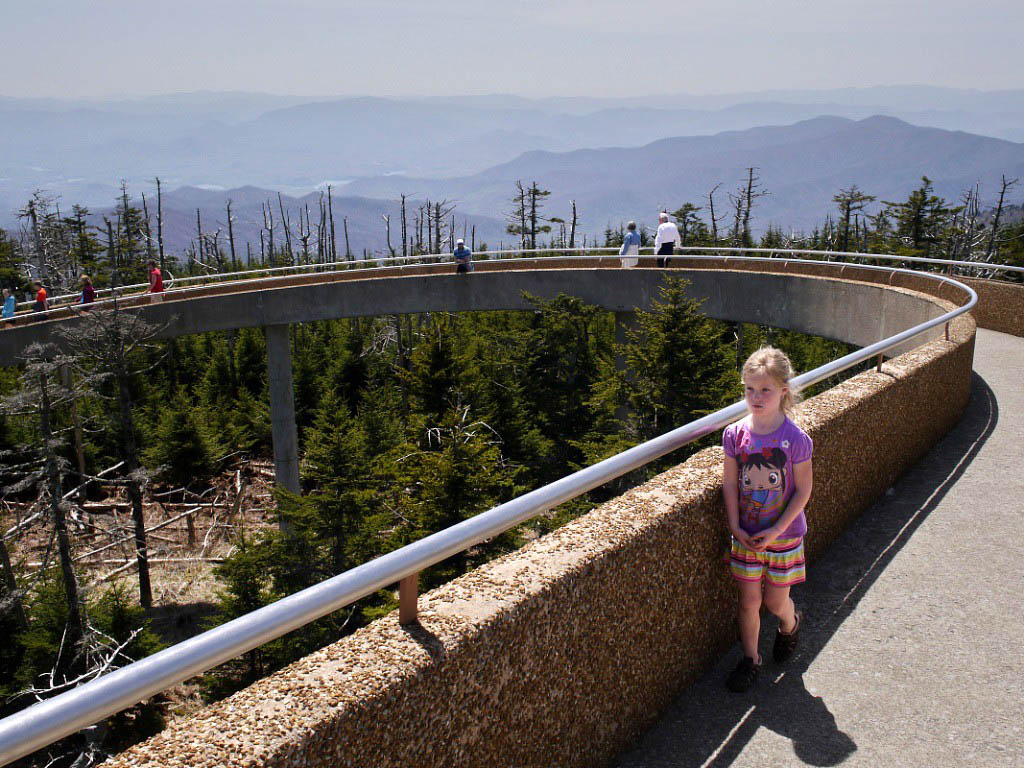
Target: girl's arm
[
  {"x": 803, "y": 478},
  {"x": 730, "y": 494}
]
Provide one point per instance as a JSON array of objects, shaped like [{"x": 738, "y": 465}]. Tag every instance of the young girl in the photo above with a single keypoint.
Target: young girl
[{"x": 767, "y": 482}]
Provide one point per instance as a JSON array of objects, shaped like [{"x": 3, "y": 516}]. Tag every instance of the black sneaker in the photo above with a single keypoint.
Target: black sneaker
[
  {"x": 744, "y": 676},
  {"x": 785, "y": 644}
]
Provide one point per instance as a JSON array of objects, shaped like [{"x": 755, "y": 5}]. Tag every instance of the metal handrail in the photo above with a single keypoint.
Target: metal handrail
[
  {"x": 66, "y": 713},
  {"x": 140, "y": 289}
]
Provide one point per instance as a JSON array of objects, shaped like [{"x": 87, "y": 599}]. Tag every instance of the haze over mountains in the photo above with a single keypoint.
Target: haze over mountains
[
  {"x": 802, "y": 166},
  {"x": 619, "y": 158}
]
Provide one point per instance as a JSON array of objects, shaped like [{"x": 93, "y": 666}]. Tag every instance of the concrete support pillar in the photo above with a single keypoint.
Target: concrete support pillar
[{"x": 282, "y": 407}]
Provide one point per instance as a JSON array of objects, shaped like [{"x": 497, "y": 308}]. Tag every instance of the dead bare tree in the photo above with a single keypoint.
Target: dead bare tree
[
  {"x": 214, "y": 249},
  {"x": 387, "y": 232},
  {"x": 31, "y": 212},
  {"x": 200, "y": 252},
  {"x": 305, "y": 232},
  {"x": 330, "y": 211},
  {"x": 45, "y": 246},
  {"x": 231, "y": 235},
  {"x": 1006, "y": 184},
  {"x": 160, "y": 222},
  {"x": 148, "y": 230},
  {"x": 517, "y": 219},
  {"x": 418, "y": 221},
  {"x": 268, "y": 225},
  {"x": 322, "y": 246},
  {"x": 287, "y": 224},
  {"x": 111, "y": 342},
  {"x": 40, "y": 394},
  {"x": 440, "y": 213},
  {"x": 752, "y": 192},
  {"x": 572, "y": 228},
  {"x": 735, "y": 231},
  {"x": 714, "y": 219},
  {"x": 10, "y": 600},
  {"x": 405, "y": 248}
]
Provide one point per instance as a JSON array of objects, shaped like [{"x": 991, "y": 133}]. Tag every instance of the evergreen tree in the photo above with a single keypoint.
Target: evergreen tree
[
  {"x": 245, "y": 587},
  {"x": 561, "y": 351},
  {"x": 458, "y": 475},
  {"x": 680, "y": 367},
  {"x": 692, "y": 230},
  {"x": 920, "y": 220},
  {"x": 178, "y": 448},
  {"x": 851, "y": 202},
  {"x": 436, "y": 379}
]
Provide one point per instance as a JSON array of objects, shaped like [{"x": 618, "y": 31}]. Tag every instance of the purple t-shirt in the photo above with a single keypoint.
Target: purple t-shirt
[{"x": 765, "y": 465}]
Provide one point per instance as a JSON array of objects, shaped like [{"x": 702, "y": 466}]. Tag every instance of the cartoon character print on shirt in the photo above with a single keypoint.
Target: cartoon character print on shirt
[{"x": 763, "y": 483}]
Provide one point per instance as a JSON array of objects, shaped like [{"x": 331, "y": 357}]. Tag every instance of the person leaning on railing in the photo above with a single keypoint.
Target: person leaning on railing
[
  {"x": 463, "y": 257},
  {"x": 40, "y": 304},
  {"x": 156, "y": 282},
  {"x": 9, "y": 303},
  {"x": 88, "y": 292}
]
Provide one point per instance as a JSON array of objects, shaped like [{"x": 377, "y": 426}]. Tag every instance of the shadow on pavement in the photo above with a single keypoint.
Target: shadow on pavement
[{"x": 709, "y": 726}]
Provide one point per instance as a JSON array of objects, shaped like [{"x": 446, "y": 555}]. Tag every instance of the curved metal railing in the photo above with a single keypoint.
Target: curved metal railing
[{"x": 62, "y": 715}]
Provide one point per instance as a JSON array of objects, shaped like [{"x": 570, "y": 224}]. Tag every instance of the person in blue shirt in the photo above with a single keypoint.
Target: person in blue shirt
[
  {"x": 463, "y": 257},
  {"x": 630, "y": 246},
  {"x": 8, "y": 304}
]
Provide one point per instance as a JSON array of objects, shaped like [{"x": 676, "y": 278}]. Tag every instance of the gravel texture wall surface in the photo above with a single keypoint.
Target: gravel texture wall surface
[
  {"x": 561, "y": 653},
  {"x": 1000, "y": 305}
]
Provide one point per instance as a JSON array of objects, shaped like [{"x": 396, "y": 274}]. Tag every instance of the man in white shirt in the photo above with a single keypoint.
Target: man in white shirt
[{"x": 666, "y": 240}]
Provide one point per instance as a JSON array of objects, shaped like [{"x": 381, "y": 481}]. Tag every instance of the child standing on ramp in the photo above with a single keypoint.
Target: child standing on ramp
[{"x": 767, "y": 482}]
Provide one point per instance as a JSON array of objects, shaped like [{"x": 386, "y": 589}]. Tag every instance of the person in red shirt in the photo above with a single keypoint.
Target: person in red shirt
[
  {"x": 88, "y": 292},
  {"x": 156, "y": 280},
  {"x": 40, "y": 305}
]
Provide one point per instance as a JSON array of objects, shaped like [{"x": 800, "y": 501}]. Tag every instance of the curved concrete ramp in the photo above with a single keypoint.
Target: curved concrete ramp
[
  {"x": 910, "y": 654},
  {"x": 854, "y": 305}
]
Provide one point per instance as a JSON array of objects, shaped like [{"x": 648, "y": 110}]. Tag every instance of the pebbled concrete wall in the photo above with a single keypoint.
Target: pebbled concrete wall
[
  {"x": 561, "y": 653},
  {"x": 1000, "y": 305}
]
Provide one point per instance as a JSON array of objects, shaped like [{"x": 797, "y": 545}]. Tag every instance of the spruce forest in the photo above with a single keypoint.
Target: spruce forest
[{"x": 137, "y": 498}]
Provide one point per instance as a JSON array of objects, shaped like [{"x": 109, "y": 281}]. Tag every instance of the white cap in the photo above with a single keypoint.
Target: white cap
[{"x": 460, "y": 241}]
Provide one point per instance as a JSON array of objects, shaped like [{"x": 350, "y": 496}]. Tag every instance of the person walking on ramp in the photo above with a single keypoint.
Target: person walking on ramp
[
  {"x": 766, "y": 483},
  {"x": 630, "y": 246},
  {"x": 666, "y": 240}
]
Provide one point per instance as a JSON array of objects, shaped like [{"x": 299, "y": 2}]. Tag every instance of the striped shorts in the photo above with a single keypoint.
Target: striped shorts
[{"x": 781, "y": 564}]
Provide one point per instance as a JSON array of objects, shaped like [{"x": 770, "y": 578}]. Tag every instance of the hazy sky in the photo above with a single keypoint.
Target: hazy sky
[{"x": 70, "y": 48}]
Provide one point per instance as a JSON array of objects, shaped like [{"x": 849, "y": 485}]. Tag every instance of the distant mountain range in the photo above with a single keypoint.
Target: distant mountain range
[
  {"x": 618, "y": 158},
  {"x": 801, "y": 166},
  {"x": 81, "y": 150}
]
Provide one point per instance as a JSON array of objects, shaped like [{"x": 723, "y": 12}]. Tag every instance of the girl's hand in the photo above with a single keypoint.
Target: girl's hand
[
  {"x": 743, "y": 538},
  {"x": 760, "y": 541}
]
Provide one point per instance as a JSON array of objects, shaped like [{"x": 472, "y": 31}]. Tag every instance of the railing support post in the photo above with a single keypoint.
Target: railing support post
[
  {"x": 879, "y": 368},
  {"x": 408, "y": 599}
]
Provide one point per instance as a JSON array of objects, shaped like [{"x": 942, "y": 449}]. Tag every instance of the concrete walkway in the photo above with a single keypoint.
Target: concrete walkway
[{"x": 913, "y": 648}]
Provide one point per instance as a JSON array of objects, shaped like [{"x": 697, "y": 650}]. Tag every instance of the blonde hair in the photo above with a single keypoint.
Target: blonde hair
[{"x": 772, "y": 362}]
